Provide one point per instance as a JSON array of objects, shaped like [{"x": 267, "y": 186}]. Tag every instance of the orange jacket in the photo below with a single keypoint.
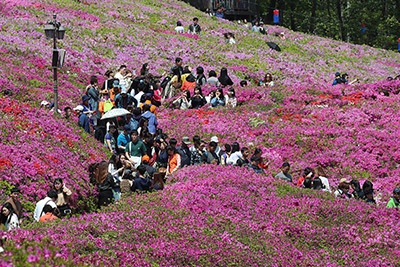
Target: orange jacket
[{"x": 48, "y": 217}]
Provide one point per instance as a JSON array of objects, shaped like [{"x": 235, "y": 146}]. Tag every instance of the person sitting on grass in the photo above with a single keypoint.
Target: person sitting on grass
[
  {"x": 48, "y": 214},
  {"x": 343, "y": 189},
  {"x": 307, "y": 173},
  {"x": 284, "y": 174},
  {"x": 49, "y": 200},
  {"x": 254, "y": 162},
  {"x": 357, "y": 191},
  {"x": 141, "y": 183},
  {"x": 8, "y": 217}
]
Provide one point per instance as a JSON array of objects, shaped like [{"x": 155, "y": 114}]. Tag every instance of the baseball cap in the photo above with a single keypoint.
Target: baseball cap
[
  {"x": 396, "y": 190},
  {"x": 344, "y": 180},
  {"x": 127, "y": 128},
  {"x": 78, "y": 108},
  {"x": 214, "y": 139}
]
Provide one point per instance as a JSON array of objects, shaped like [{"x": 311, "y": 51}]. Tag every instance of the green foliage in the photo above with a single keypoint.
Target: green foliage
[
  {"x": 341, "y": 20},
  {"x": 388, "y": 32},
  {"x": 277, "y": 96}
]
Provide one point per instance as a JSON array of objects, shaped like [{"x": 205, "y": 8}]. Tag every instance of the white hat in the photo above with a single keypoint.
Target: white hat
[
  {"x": 123, "y": 89},
  {"x": 78, "y": 108},
  {"x": 44, "y": 103},
  {"x": 214, "y": 139}
]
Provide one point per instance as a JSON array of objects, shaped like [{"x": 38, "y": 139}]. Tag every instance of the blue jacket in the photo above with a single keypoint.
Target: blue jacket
[
  {"x": 215, "y": 102},
  {"x": 152, "y": 121},
  {"x": 83, "y": 122}
]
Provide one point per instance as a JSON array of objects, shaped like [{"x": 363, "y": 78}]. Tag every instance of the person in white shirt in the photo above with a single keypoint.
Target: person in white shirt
[
  {"x": 124, "y": 76},
  {"x": 120, "y": 75},
  {"x": 235, "y": 154},
  {"x": 179, "y": 28},
  {"x": 230, "y": 98},
  {"x": 229, "y": 38},
  {"x": 8, "y": 217},
  {"x": 320, "y": 173},
  {"x": 49, "y": 200}
]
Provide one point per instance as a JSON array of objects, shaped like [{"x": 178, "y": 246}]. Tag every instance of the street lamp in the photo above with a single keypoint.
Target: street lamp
[{"x": 54, "y": 30}]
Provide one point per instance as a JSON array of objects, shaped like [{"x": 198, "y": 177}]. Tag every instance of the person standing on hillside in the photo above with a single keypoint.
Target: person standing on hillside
[
  {"x": 94, "y": 96},
  {"x": 123, "y": 75},
  {"x": 194, "y": 28},
  {"x": 135, "y": 149}
]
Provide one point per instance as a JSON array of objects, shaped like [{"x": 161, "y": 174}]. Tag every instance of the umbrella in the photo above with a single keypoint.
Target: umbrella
[
  {"x": 274, "y": 46},
  {"x": 115, "y": 112}
]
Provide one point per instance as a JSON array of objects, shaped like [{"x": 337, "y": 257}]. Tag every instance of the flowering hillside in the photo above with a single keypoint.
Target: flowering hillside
[
  {"x": 215, "y": 216},
  {"x": 210, "y": 216}
]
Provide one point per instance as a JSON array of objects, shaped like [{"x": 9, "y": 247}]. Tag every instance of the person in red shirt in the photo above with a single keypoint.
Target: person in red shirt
[
  {"x": 48, "y": 214},
  {"x": 307, "y": 173}
]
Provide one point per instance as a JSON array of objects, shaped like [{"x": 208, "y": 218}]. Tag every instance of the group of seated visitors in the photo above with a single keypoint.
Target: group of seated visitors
[
  {"x": 146, "y": 160},
  {"x": 316, "y": 179},
  {"x": 343, "y": 79},
  {"x": 53, "y": 206}
]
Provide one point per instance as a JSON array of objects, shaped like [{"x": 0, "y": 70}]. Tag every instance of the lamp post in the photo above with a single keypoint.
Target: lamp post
[{"x": 54, "y": 30}]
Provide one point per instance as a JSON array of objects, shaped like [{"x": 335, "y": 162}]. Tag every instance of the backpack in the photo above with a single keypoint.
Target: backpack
[
  {"x": 185, "y": 159},
  {"x": 108, "y": 105}
]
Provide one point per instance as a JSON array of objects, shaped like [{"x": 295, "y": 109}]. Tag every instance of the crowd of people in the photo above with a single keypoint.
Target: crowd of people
[{"x": 141, "y": 150}]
